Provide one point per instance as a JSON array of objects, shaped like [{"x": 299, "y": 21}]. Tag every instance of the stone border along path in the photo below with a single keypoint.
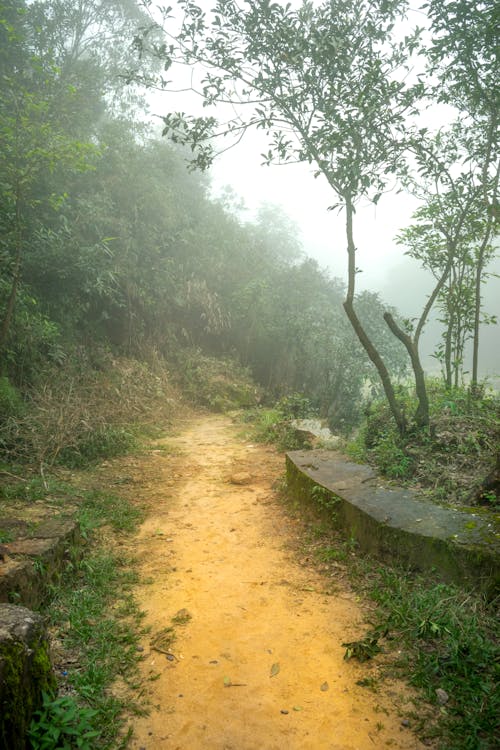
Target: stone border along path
[
  {"x": 395, "y": 523},
  {"x": 35, "y": 558}
]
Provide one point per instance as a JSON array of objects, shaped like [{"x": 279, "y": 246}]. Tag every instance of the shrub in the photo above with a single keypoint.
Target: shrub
[
  {"x": 79, "y": 414},
  {"x": 11, "y": 402},
  {"x": 62, "y": 724},
  {"x": 219, "y": 384}
]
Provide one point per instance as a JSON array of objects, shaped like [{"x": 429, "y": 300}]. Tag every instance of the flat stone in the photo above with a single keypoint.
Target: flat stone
[
  {"x": 241, "y": 477},
  {"x": 397, "y": 523},
  {"x": 30, "y": 547},
  {"x": 24, "y": 580}
]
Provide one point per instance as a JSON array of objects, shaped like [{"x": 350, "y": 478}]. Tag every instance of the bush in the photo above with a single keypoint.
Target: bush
[
  {"x": 79, "y": 415},
  {"x": 11, "y": 402},
  {"x": 93, "y": 445},
  {"x": 452, "y": 458},
  {"x": 62, "y": 724},
  {"x": 219, "y": 384}
]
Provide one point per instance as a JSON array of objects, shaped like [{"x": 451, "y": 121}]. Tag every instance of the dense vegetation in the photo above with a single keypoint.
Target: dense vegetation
[
  {"x": 124, "y": 281},
  {"x": 111, "y": 248},
  {"x": 347, "y": 87}
]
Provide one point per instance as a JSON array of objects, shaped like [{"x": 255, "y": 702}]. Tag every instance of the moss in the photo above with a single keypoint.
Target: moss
[
  {"x": 23, "y": 677},
  {"x": 473, "y": 562}
]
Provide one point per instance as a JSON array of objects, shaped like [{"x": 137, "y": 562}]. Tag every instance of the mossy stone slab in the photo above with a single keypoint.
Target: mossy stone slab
[{"x": 397, "y": 523}]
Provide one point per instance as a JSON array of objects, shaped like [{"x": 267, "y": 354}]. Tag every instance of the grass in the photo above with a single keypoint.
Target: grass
[
  {"x": 447, "y": 461},
  {"x": 99, "y": 508},
  {"x": 97, "y": 625},
  {"x": 449, "y": 639},
  {"x": 438, "y": 637},
  {"x": 273, "y": 426}
]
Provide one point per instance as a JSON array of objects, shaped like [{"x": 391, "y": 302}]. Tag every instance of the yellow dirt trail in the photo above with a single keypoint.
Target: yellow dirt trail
[{"x": 258, "y": 665}]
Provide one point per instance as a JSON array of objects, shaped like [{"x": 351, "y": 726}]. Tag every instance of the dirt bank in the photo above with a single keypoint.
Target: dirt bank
[{"x": 257, "y": 661}]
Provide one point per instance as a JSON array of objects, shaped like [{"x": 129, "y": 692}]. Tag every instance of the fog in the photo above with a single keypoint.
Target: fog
[
  {"x": 384, "y": 267},
  {"x": 306, "y": 200}
]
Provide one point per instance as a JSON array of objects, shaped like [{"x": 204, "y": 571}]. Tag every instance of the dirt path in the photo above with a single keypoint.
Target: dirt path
[{"x": 259, "y": 663}]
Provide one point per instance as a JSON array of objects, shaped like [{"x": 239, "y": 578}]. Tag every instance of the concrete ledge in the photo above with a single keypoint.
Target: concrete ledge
[
  {"x": 29, "y": 563},
  {"x": 462, "y": 546}
]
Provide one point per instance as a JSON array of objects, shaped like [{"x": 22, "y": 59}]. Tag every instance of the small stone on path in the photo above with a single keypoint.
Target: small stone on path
[{"x": 241, "y": 477}]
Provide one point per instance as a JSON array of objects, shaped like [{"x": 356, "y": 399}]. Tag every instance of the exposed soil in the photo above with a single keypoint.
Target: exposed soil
[{"x": 254, "y": 659}]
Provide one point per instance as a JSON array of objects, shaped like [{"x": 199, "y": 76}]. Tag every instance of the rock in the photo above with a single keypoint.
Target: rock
[
  {"x": 25, "y": 672},
  {"x": 241, "y": 477},
  {"x": 30, "y": 563},
  {"x": 442, "y": 696}
]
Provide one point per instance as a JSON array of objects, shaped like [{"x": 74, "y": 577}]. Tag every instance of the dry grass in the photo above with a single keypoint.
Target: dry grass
[{"x": 77, "y": 409}]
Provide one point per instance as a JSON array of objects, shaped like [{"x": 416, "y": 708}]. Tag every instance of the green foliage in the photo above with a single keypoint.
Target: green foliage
[
  {"x": 94, "y": 445},
  {"x": 98, "y": 508},
  {"x": 437, "y": 636},
  {"x": 86, "y": 411},
  {"x": 390, "y": 456},
  {"x": 272, "y": 426},
  {"x": 324, "y": 499},
  {"x": 449, "y": 642},
  {"x": 63, "y": 724},
  {"x": 451, "y": 459},
  {"x": 93, "y": 610},
  {"x": 296, "y": 406},
  {"x": 220, "y": 384},
  {"x": 11, "y": 402}
]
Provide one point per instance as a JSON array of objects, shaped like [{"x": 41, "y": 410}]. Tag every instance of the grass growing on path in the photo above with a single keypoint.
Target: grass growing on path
[{"x": 449, "y": 639}]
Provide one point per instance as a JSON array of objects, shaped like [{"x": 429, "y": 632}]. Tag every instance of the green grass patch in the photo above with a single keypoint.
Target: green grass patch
[
  {"x": 98, "y": 624},
  {"x": 274, "y": 425},
  {"x": 450, "y": 643},
  {"x": 95, "y": 445},
  {"x": 32, "y": 489},
  {"x": 99, "y": 508}
]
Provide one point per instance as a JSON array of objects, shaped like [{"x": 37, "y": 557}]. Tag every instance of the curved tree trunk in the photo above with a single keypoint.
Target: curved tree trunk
[
  {"x": 422, "y": 413},
  {"x": 363, "y": 337}
]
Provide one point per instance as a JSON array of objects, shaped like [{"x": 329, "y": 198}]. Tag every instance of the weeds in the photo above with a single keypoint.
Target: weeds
[
  {"x": 98, "y": 508},
  {"x": 98, "y": 625},
  {"x": 62, "y": 723},
  {"x": 446, "y": 640},
  {"x": 449, "y": 638},
  {"x": 78, "y": 415},
  {"x": 219, "y": 384},
  {"x": 450, "y": 460},
  {"x": 274, "y": 425}
]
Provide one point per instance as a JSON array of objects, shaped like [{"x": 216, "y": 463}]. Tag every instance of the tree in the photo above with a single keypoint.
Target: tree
[
  {"x": 326, "y": 84},
  {"x": 34, "y": 143},
  {"x": 463, "y": 55},
  {"x": 446, "y": 239}
]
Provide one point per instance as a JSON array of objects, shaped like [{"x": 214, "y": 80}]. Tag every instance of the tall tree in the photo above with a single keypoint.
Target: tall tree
[
  {"x": 463, "y": 56},
  {"x": 34, "y": 143},
  {"x": 326, "y": 84}
]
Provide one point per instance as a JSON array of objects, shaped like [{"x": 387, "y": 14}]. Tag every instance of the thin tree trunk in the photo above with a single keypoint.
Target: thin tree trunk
[
  {"x": 490, "y": 200},
  {"x": 447, "y": 354},
  {"x": 11, "y": 302},
  {"x": 422, "y": 412},
  {"x": 358, "y": 328}
]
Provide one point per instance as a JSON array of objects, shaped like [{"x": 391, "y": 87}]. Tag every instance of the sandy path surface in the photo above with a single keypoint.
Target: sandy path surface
[{"x": 257, "y": 663}]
